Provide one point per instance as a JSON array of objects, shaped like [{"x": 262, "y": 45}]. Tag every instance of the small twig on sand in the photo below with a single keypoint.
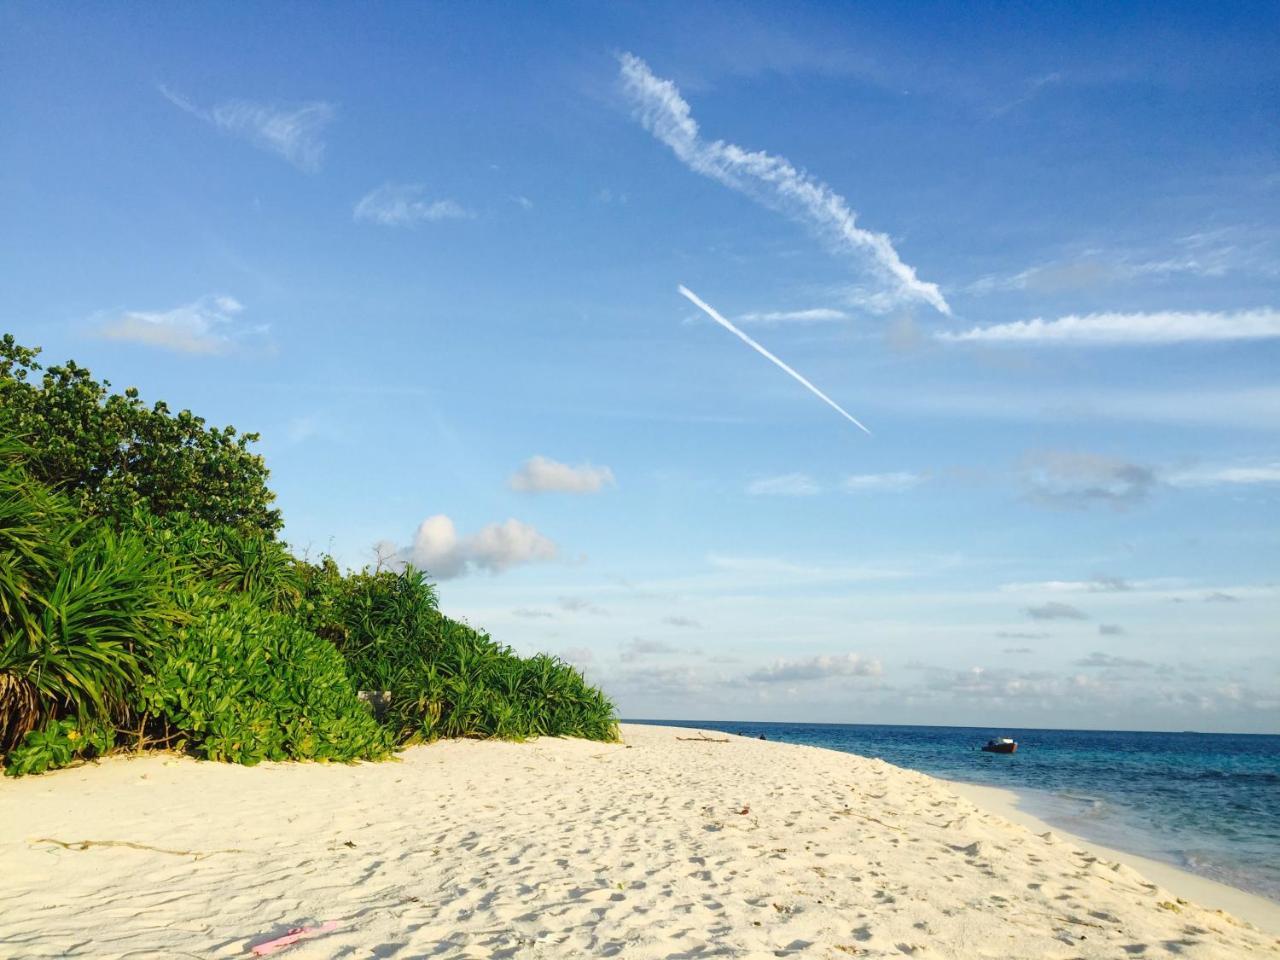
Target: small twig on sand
[
  {"x": 703, "y": 738},
  {"x": 86, "y": 844}
]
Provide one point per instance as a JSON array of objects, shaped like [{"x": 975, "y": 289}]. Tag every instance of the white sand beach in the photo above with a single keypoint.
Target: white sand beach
[{"x": 661, "y": 846}]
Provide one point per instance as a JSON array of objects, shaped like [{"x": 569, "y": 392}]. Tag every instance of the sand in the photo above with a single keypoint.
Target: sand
[{"x": 659, "y": 847}]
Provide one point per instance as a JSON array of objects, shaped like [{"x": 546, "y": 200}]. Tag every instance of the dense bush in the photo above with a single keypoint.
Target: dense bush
[
  {"x": 446, "y": 679},
  {"x": 81, "y": 606},
  {"x": 111, "y": 453},
  {"x": 144, "y": 600},
  {"x": 242, "y": 683}
]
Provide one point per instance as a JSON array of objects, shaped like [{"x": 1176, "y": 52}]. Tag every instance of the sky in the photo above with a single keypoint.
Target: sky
[{"x": 435, "y": 255}]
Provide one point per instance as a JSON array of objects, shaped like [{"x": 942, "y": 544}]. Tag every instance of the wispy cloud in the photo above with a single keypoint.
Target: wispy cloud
[
  {"x": 1214, "y": 476},
  {"x": 714, "y": 315},
  {"x": 581, "y": 605},
  {"x": 686, "y": 622},
  {"x": 1161, "y": 327},
  {"x": 1206, "y": 253},
  {"x": 1055, "y": 610},
  {"x": 1099, "y": 659},
  {"x": 769, "y": 179},
  {"x": 441, "y": 552},
  {"x": 881, "y": 482},
  {"x": 541, "y": 474},
  {"x": 1078, "y": 479},
  {"x": 813, "y": 315},
  {"x": 817, "y": 668},
  {"x": 639, "y": 649},
  {"x": 210, "y": 325},
  {"x": 293, "y": 133},
  {"x": 1110, "y": 630},
  {"x": 1032, "y": 89},
  {"x": 532, "y": 613},
  {"x": 784, "y": 485},
  {"x": 404, "y": 205}
]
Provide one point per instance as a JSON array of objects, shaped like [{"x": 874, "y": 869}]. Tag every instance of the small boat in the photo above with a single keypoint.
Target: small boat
[{"x": 1000, "y": 745}]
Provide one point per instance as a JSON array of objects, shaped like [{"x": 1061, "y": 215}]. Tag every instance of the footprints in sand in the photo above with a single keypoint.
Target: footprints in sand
[{"x": 485, "y": 851}]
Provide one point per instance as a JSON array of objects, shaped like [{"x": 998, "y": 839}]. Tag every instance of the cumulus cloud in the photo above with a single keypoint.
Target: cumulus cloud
[
  {"x": 769, "y": 180},
  {"x": 1163, "y": 327},
  {"x": 543, "y": 475},
  {"x": 881, "y": 482},
  {"x": 1076, "y": 479},
  {"x": 1098, "y": 659},
  {"x": 784, "y": 485},
  {"x": 638, "y": 649},
  {"x": 1055, "y": 610},
  {"x": 406, "y": 204},
  {"x": 293, "y": 133},
  {"x": 210, "y": 325},
  {"x": 817, "y": 668},
  {"x": 813, "y": 315},
  {"x": 438, "y": 549}
]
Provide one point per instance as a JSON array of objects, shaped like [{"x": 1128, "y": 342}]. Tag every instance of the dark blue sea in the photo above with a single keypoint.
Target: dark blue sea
[{"x": 1206, "y": 802}]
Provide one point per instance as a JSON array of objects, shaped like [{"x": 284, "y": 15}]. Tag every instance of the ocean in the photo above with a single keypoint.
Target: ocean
[{"x": 1206, "y": 802}]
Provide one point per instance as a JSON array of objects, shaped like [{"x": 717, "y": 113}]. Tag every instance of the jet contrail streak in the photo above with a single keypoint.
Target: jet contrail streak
[{"x": 710, "y": 311}]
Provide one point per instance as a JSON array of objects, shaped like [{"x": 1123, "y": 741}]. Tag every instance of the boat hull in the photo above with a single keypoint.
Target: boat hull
[{"x": 1000, "y": 748}]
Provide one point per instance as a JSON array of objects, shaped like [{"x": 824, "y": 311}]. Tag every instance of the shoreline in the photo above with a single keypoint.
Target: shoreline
[
  {"x": 1261, "y": 911},
  {"x": 670, "y": 843}
]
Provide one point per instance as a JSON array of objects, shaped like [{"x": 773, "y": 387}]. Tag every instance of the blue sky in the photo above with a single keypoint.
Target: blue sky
[{"x": 432, "y": 254}]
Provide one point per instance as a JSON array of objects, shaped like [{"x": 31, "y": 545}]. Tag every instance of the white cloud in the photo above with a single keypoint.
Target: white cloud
[
  {"x": 1214, "y": 476},
  {"x": 293, "y": 133},
  {"x": 404, "y": 204},
  {"x": 543, "y": 475},
  {"x": 871, "y": 482},
  {"x": 438, "y": 549},
  {"x": 785, "y": 485},
  {"x": 209, "y": 325},
  {"x": 814, "y": 315},
  {"x": 1161, "y": 327},
  {"x": 817, "y": 668},
  {"x": 769, "y": 179}
]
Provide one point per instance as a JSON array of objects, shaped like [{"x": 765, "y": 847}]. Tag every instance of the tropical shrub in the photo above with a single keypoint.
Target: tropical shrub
[
  {"x": 241, "y": 683},
  {"x": 110, "y": 453},
  {"x": 81, "y": 605},
  {"x": 221, "y": 558},
  {"x": 58, "y": 743},
  {"x": 446, "y": 679},
  {"x": 144, "y": 600}
]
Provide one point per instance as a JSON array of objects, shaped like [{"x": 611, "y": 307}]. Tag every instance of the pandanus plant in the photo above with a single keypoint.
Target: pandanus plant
[{"x": 80, "y": 606}]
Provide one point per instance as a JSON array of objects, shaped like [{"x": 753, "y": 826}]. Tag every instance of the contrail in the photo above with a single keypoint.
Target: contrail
[
  {"x": 768, "y": 179},
  {"x": 710, "y": 311}
]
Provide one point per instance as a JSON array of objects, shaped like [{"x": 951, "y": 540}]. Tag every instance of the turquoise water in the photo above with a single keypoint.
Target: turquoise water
[{"x": 1206, "y": 802}]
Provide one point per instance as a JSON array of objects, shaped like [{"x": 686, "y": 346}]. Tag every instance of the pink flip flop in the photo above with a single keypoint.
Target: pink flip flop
[{"x": 292, "y": 937}]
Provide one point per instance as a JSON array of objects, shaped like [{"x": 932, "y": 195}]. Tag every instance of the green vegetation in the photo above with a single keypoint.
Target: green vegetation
[{"x": 146, "y": 602}]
